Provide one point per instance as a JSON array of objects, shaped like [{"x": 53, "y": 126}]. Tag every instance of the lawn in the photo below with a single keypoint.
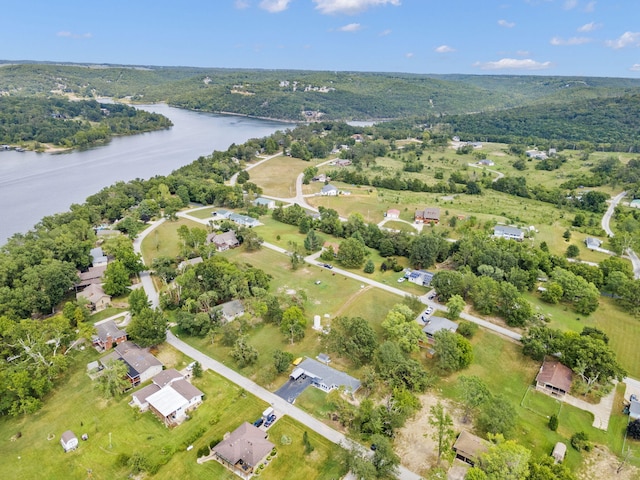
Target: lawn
[
  {"x": 115, "y": 428},
  {"x": 500, "y": 363},
  {"x": 623, "y": 329},
  {"x": 164, "y": 241},
  {"x": 277, "y": 177}
]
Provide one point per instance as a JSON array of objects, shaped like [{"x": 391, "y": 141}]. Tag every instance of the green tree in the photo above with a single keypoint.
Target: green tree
[
  {"x": 572, "y": 251},
  {"x": 312, "y": 242},
  {"x": 243, "y": 353},
  {"x": 116, "y": 279},
  {"x": 553, "y": 293},
  {"x": 453, "y": 351},
  {"x": 505, "y": 460},
  {"x": 369, "y": 267},
  {"x": 443, "y": 432},
  {"x": 473, "y": 393},
  {"x": 282, "y": 360},
  {"x": 425, "y": 250},
  {"x": 385, "y": 460},
  {"x": 293, "y": 324},
  {"x": 400, "y": 326},
  {"x": 148, "y": 328},
  {"x": 497, "y": 416},
  {"x": 308, "y": 447},
  {"x": 113, "y": 378},
  {"x": 138, "y": 301},
  {"x": 353, "y": 338},
  {"x": 351, "y": 253},
  {"x": 455, "y": 305},
  {"x": 553, "y": 422},
  {"x": 197, "y": 370}
]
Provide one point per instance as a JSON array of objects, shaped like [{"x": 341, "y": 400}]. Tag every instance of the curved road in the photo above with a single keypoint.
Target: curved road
[
  {"x": 499, "y": 174},
  {"x": 606, "y": 220}
]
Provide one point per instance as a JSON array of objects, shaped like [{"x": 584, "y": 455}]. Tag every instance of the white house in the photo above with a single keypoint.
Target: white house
[
  {"x": 265, "y": 202},
  {"x": 592, "y": 243},
  {"x": 393, "y": 213},
  {"x": 172, "y": 402},
  {"x": 329, "y": 190},
  {"x": 511, "y": 233},
  {"x": 69, "y": 441},
  {"x": 420, "y": 277}
]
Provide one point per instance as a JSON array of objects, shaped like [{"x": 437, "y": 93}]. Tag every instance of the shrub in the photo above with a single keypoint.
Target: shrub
[
  {"x": 553, "y": 422},
  {"x": 467, "y": 329},
  {"x": 122, "y": 460},
  {"x": 580, "y": 441},
  {"x": 203, "y": 451}
]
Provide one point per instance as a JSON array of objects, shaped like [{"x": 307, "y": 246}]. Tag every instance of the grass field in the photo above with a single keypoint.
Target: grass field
[
  {"x": 115, "y": 428},
  {"x": 277, "y": 177},
  {"x": 163, "y": 241}
]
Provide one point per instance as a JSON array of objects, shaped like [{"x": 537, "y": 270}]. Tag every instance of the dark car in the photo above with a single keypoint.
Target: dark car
[
  {"x": 270, "y": 419},
  {"x": 328, "y": 265},
  {"x": 258, "y": 422}
]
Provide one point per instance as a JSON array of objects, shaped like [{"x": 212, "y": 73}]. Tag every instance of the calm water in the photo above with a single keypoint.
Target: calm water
[{"x": 33, "y": 185}]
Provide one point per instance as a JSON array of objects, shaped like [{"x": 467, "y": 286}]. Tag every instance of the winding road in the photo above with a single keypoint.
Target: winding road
[{"x": 605, "y": 222}]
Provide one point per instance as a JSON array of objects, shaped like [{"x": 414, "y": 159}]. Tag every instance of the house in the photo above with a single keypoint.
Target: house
[
  {"x": 320, "y": 178},
  {"x": 244, "y": 220},
  {"x": 634, "y": 410},
  {"x": 469, "y": 447},
  {"x": 187, "y": 263},
  {"x": 435, "y": 324},
  {"x": 428, "y": 215},
  {"x": 108, "y": 334},
  {"x": 486, "y": 162},
  {"x": 324, "y": 377},
  {"x": 231, "y": 310},
  {"x": 265, "y": 202},
  {"x": 559, "y": 452},
  {"x": 92, "y": 275},
  {"x": 392, "y": 213},
  {"x": 329, "y": 191},
  {"x": 141, "y": 365},
  {"x": 172, "y": 402},
  {"x": 221, "y": 214},
  {"x": 223, "y": 241},
  {"x": 511, "y": 233},
  {"x": 592, "y": 243},
  {"x": 243, "y": 449},
  {"x": 69, "y": 441},
  {"x": 343, "y": 162},
  {"x": 98, "y": 300},
  {"x": 536, "y": 154},
  {"x": 554, "y": 378},
  {"x": 98, "y": 258},
  {"x": 420, "y": 277}
]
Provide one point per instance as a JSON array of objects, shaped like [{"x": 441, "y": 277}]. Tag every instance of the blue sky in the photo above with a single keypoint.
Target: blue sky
[{"x": 534, "y": 37}]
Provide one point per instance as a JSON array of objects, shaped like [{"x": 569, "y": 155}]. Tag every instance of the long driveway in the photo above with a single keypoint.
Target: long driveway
[
  {"x": 606, "y": 221},
  {"x": 275, "y": 401}
]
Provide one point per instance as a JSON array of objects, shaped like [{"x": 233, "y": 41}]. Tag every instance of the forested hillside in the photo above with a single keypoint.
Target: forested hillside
[
  {"x": 61, "y": 122},
  {"x": 308, "y": 95}
]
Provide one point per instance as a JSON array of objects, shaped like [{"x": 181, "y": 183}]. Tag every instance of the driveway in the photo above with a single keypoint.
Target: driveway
[{"x": 293, "y": 388}]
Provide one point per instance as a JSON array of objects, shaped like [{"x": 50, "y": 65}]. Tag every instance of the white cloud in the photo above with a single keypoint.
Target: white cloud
[
  {"x": 635, "y": 67},
  {"x": 570, "y": 4},
  {"x": 504, "y": 23},
  {"x": 589, "y": 27},
  {"x": 241, "y": 4},
  {"x": 351, "y": 27},
  {"x": 73, "y": 35},
  {"x": 409, "y": 55},
  {"x": 274, "y": 6},
  {"x": 513, "y": 64},
  {"x": 559, "y": 41},
  {"x": 627, "y": 39},
  {"x": 350, "y": 7},
  {"x": 384, "y": 33},
  {"x": 444, "y": 49}
]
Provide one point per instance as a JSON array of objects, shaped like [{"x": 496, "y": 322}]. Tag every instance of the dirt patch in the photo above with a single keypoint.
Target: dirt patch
[
  {"x": 351, "y": 299},
  {"x": 168, "y": 356},
  {"x": 601, "y": 463},
  {"x": 419, "y": 452}
]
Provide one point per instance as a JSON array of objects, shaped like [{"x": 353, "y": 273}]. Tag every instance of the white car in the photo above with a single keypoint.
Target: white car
[
  {"x": 401, "y": 279},
  {"x": 429, "y": 311}
]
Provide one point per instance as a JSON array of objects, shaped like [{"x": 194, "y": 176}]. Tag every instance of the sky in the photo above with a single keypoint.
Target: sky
[{"x": 531, "y": 37}]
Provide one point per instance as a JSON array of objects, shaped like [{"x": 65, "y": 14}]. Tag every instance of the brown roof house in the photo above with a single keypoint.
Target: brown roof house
[
  {"x": 554, "y": 378},
  {"x": 92, "y": 275},
  {"x": 428, "y": 215},
  {"x": 108, "y": 335},
  {"x": 469, "y": 447},
  {"x": 243, "y": 449},
  {"x": 224, "y": 241},
  {"x": 98, "y": 300},
  {"x": 69, "y": 441}
]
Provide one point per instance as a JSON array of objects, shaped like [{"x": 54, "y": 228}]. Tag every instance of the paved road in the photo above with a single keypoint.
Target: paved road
[
  {"x": 275, "y": 401},
  {"x": 606, "y": 218},
  {"x": 145, "y": 277},
  {"x": 499, "y": 174}
]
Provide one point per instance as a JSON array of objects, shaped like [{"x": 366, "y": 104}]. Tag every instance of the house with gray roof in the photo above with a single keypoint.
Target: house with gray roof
[
  {"x": 592, "y": 243},
  {"x": 244, "y": 220},
  {"x": 223, "y": 241},
  {"x": 420, "y": 277},
  {"x": 107, "y": 335},
  {"x": 325, "y": 377},
  {"x": 265, "y": 202},
  {"x": 141, "y": 365},
  {"x": 329, "y": 191},
  {"x": 221, "y": 213},
  {"x": 231, "y": 310},
  {"x": 505, "y": 231},
  {"x": 189, "y": 263},
  {"x": 434, "y": 324},
  {"x": 98, "y": 258}
]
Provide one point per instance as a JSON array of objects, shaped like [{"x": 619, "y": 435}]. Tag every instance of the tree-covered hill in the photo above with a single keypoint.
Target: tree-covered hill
[
  {"x": 288, "y": 94},
  {"x": 58, "y": 121}
]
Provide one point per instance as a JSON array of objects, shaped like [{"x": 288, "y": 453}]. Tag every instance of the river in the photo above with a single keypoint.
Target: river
[{"x": 33, "y": 185}]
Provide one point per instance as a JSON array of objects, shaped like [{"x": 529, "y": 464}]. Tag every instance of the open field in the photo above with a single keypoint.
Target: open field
[
  {"x": 277, "y": 177},
  {"x": 163, "y": 241}
]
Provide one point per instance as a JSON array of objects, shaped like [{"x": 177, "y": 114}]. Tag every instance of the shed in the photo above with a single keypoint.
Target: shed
[
  {"x": 469, "y": 447},
  {"x": 297, "y": 373},
  {"x": 559, "y": 451},
  {"x": 634, "y": 410},
  {"x": 69, "y": 441}
]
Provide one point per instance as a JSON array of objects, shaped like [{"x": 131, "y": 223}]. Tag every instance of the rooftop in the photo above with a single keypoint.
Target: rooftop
[
  {"x": 246, "y": 443},
  {"x": 435, "y": 324},
  {"x": 329, "y": 376},
  {"x": 554, "y": 373}
]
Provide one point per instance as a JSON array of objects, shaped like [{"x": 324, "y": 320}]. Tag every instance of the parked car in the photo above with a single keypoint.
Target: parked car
[
  {"x": 432, "y": 296},
  {"x": 401, "y": 279},
  {"x": 270, "y": 419},
  {"x": 429, "y": 310},
  {"x": 258, "y": 422},
  {"x": 318, "y": 282},
  {"x": 328, "y": 265}
]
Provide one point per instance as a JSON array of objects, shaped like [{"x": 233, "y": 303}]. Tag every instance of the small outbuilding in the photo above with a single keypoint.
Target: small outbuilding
[
  {"x": 559, "y": 452},
  {"x": 469, "y": 447},
  {"x": 69, "y": 441},
  {"x": 393, "y": 213}
]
